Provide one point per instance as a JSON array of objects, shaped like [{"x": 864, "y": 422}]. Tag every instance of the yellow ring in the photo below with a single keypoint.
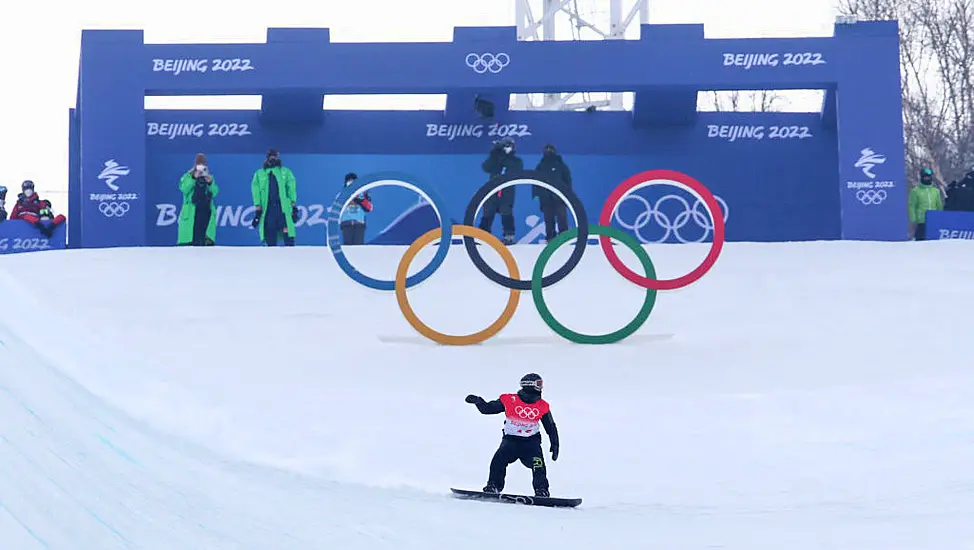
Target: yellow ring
[{"x": 449, "y": 339}]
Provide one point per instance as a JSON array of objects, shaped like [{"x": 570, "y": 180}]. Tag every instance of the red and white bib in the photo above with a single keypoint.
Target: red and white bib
[{"x": 523, "y": 419}]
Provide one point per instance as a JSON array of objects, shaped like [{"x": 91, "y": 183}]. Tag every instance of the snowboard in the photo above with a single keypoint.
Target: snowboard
[{"x": 550, "y": 502}]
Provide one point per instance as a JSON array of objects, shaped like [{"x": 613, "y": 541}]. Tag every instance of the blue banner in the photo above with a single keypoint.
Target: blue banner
[
  {"x": 112, "y": 190},
  {"x": 18, "y": 236},
  {"x": 786, "y": 203},
  {"x": 942, "y": 225}
]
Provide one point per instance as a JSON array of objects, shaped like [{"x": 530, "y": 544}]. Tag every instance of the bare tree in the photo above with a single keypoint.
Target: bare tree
[
  {"x": 726, "y": 101},
  {"x": 936, "y": 58},
  {"x": 738, "y": 100}
]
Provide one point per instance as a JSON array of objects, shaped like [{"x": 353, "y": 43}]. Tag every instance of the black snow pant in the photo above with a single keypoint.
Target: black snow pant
[
  {"x": 271, "y": 238},
  {"x": 200, "y": 222},
  {"x": 555, "y": 213},
  {"x": 275, "y": 221},
  {"x": 525, "y": 449},
  {"x": 274, "y": 226},
  {"x": 921, "y": 232},
  {"x": 353, "y": 233},
  {"x": 493, "y": 206}
]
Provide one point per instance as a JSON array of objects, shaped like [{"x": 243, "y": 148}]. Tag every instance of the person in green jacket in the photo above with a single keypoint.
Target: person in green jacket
[
  {"x": 923, "y": 198},
  {"x": 275, "y": 196},
  {"x": 197, "y": 217}
]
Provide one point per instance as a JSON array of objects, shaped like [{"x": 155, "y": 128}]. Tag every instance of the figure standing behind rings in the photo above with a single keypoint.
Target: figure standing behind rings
[
  {"x": 275, "y": 195},
  {"x": 502, "y": 160},
  {"x": 353, "y": 217},
  {"x": 553, "y": 208}
]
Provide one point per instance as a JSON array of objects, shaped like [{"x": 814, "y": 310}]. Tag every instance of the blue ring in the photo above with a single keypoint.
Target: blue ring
[{"x": 397, "y": 179}]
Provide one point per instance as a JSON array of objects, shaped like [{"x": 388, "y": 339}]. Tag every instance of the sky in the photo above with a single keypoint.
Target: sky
[{"x": 39, "y": 49}]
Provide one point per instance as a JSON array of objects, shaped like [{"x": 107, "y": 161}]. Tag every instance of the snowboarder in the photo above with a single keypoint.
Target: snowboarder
[{"x": 524, "y": 411}]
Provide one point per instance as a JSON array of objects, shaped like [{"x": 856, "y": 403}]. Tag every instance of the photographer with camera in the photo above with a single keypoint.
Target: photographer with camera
[
  {"x": 197, "y": 217},
  {"x": 3, "y": 202},
  {"x": 502, "y": 160}
]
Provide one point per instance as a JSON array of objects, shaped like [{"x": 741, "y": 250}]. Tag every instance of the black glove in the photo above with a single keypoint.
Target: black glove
[
  {"x": 473, "y": 399},
  {"x": 554, "y": 453},
  {"x": 256, "y": 221}
]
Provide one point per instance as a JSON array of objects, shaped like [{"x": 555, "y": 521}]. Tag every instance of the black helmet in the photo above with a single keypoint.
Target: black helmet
[{"x": 532, "y": 382}]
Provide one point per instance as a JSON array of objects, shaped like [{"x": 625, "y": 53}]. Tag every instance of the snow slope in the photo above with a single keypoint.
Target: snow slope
[{"x": 799, "y": 396}]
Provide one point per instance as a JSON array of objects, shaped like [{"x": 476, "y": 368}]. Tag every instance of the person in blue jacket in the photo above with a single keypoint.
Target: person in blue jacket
[{"x": 353, "y": 217}]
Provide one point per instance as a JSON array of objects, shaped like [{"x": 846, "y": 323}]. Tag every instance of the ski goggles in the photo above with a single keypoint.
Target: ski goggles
[{"x": 535, "y": 384}]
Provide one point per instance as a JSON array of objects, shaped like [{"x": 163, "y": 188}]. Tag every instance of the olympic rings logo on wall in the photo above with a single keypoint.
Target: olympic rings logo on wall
[
  {"x": 538, "y": 281},
  {"x": 653, "y": 213},
  {"x": 113, "y": 209},
  {"x": 484, "y": 62},
  {"x": 871, "y": 196}
]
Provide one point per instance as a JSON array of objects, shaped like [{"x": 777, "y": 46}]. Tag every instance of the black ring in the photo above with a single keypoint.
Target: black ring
[{"x": 581, "y": 222}]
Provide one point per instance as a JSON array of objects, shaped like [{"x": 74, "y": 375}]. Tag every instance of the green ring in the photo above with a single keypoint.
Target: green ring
[{"x": 537, "y": 292}]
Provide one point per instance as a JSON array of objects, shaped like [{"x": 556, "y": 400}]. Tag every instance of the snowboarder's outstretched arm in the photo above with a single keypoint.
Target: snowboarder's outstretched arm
[
  {"x": 486, "y": 407},
  {"x": 551, "y": 429}
]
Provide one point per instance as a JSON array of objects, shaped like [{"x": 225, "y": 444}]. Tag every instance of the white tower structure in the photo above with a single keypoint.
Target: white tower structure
[{"x": 577, "y": 20}]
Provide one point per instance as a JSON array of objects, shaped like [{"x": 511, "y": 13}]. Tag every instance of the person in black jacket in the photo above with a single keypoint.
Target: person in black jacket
[
  {"x": 524, "y": 411},
  {"x": 554, "y": 209},
  {"x": 502, "y": 160},
  {"x": 960, "y": 195}
]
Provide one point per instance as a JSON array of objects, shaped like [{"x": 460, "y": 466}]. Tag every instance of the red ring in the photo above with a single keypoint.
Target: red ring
[{"x": 716, "y": 216}]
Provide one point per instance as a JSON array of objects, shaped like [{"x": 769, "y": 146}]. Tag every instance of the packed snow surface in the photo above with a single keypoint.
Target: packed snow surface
[{"x": 799, "y": 396}]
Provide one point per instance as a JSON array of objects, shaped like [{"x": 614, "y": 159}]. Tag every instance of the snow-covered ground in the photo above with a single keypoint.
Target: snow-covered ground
[{"x": 800, "y": 396}]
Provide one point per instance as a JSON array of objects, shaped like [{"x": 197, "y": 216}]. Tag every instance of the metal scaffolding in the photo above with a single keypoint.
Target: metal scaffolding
[{"x": 577, "y": 20}]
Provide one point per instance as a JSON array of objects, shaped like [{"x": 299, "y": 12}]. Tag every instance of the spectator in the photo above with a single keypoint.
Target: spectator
[
  {"x": 32, "y": 209},
  {"x": 552, "y": 206},
  {"x": 3, "y": 201},
  {"x": 923, "y": 198},
  {"x": 353, "y": 217},
  {"x": 960, "y": 195},
  {"x": 502, "y": 160},
  {"x": 275, "y": 196},
  {"x": 47, "y": 221},
  {"x": 197, "y": 217}
]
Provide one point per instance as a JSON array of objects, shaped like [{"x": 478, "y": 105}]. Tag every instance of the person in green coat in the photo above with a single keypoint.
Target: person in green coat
[
  {"x": 923, "y": 198},
  {"x": 275, "y": 197},
  {"x": 197, "y": 217}
]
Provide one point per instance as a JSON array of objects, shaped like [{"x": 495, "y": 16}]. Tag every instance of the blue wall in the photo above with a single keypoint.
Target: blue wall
[
  {"x": 778, "y": 182},
  {"x": 834, "y": 174}
]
